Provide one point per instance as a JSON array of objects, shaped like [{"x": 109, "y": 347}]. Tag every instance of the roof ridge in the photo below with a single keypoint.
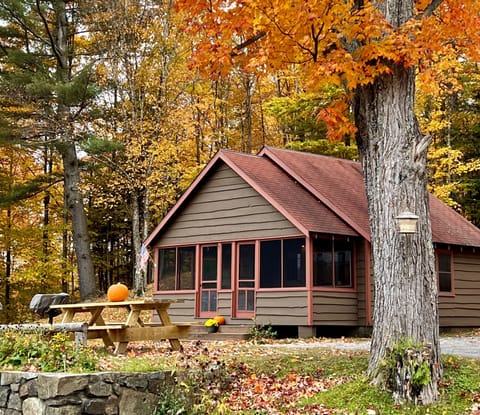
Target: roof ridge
[
  {"x": 306, "y": 153},
  {"x": 269, "y": 153}
]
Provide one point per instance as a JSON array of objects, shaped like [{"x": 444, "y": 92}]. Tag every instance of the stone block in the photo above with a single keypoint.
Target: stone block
[
  {"x": 94, "y": 406},
  {"x": 135, "y": 381},
  {"x": 51, "y": 385},
  {"x": 28, "y": 389},
  {"x": 73, "y": 399},
  {"x": 14, "y": 402},
  {"x": 7, "y": 378},
  {"x": 64, "y": 410},
  {"x": 135, "y": 402},
  {"x": 4, "y": 394},
  {"x": 111, "y": 407},
  {"x": 33, "y": 406},
  {"x": 99, "y": 389}
]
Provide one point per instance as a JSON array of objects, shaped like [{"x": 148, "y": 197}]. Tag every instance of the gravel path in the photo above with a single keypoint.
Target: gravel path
[{"x": 466, "y": 346}]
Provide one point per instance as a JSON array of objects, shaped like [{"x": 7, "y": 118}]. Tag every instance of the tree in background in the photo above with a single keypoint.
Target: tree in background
[
  {"x": 144, "y": 77},
  {"x": 43, "y": 70},
  {"x": 449, "y": 112},
  {"x": 371, "y": 50},
  {"x": 25, "y": 268}
]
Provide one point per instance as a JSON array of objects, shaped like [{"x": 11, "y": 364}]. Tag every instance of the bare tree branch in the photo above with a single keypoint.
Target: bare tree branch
[
  {"x": 431, "y": 8},
  {"x": 247, "y": 43}
]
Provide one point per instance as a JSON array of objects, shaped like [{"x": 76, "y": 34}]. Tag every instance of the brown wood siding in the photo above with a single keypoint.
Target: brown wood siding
[
  {"x": 333, "y": 308},
  {"x": 226, "y": 208},
  {"x": 360, "y": 273},
  {"x": 282, "y": 308},
  {"x": 224, "y": 305},
  {"x": 463, "y": 309},
  {"x": 180, "y": 312}
]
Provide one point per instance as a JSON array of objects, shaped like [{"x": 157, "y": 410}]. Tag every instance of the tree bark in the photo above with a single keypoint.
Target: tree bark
[
  {"x": 394, "y": 158},
  {"x": 71, "y": 171},
  {"x": 393, "y": 155},
  {"x": 139, "y": 284},
  {"x": 74, "y": 201}
]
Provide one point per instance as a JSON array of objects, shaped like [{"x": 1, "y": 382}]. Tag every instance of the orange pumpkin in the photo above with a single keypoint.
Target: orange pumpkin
[
  {"x": 117, "y": 292},
  {"x": 220, "y": 320}
]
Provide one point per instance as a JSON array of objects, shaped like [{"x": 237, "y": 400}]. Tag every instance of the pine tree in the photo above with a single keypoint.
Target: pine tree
[{"x": 44, "y": 72}]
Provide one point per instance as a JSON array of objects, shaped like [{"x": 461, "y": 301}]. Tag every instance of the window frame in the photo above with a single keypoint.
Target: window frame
[
  {"x": 449, "y": 253},
  {"x": 333, "y": 287},
  {"x": 178, "y": 278},
  {"x": 283, "y": 265}
]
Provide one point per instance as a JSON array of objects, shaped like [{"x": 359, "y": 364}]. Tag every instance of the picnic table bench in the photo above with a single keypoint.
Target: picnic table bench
[{"x": 118, "y": 334}]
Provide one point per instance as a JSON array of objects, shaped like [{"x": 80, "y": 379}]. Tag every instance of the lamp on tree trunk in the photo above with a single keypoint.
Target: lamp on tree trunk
[{"x": 407, "y": 222}]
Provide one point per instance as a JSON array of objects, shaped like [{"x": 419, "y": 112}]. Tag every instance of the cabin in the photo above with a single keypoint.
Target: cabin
[{"x": 282, "y": 237}]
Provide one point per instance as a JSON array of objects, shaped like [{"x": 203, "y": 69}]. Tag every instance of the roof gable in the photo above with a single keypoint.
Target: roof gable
[
  {"x": 287, "y": 195},
  {"x": 319, "y": 194}
]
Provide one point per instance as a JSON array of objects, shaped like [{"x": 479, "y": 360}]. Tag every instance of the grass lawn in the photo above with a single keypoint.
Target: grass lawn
[{"x": 247, "y": 378}]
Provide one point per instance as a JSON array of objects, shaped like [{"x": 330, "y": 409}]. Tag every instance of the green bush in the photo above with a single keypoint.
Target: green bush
[
  {"x": 44, "y": 351},
  {"x": 261, "y": 333}
]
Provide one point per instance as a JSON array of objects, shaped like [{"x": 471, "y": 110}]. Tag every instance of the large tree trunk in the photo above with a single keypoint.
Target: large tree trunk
[
  {"x": 393, "y": 154},
  {"x": 66, "y": 147},
  {"x": 81, "y": 240}
]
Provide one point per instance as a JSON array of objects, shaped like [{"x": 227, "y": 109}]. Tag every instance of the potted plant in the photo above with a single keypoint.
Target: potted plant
[{"x": 211, "y": 325}]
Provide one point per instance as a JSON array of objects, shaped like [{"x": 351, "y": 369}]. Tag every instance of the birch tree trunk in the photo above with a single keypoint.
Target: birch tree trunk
[
  {"x": 139, "y": 283},
  {"x": 393, "y": 154}
]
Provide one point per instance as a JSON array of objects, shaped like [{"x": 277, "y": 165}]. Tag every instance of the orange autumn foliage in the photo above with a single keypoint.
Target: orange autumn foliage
[{"x": 335, "y": 42}]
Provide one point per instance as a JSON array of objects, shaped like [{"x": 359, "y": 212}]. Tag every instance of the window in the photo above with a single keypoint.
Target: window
[
  {"x": 209, "y": 278},
  {"x": 246, "y": 277},
  {"x": 444, "y": 270},
  {"x": 176, "y": 269},
  {"x": 226, "y": 266},
  {"x": 282, "y": 263},
  {"x": 333, "y": 263},
  {"x": 270, "y": 264}
]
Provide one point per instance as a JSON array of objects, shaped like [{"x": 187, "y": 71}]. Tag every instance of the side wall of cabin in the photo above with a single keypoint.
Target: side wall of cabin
[
  {"x": 462, "y": 309},
  {"x": 227, "y": 209}
]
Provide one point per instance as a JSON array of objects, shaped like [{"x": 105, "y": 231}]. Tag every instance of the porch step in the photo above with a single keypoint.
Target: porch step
[{"x": 225, "y": 332}]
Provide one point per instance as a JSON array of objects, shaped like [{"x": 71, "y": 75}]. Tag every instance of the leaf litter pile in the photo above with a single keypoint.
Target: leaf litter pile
[{"x": 244, "y": 376}]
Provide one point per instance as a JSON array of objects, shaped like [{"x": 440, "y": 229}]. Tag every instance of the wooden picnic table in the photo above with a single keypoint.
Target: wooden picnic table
[{"x": 118, "y": 334}]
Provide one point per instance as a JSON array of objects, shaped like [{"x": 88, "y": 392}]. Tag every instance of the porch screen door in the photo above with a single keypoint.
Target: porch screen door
[
  {"x": 208, "y": 291},
  {"x": 246, "y": 280}
]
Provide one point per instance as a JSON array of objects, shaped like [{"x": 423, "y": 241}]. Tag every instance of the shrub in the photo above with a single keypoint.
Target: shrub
[{"x": 43, "y": 351}]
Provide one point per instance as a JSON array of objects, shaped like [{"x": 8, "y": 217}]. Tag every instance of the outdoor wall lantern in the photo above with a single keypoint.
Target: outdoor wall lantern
[{"x": 407, "y": 222}]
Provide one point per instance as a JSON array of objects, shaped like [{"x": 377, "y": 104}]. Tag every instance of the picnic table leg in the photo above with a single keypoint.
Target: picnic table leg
[
  {"x": 97, "y": 319},
  {"x": 133, "y": 318},
  {"x": 68, "y": 316},
  {"x": 121, "y": 348},
  {"x": 165, "y": 319}
]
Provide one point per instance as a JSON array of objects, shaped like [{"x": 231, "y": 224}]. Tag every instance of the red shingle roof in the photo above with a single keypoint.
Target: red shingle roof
[
  {"x": 340, "y": 184},
  {"x": 321, "y": 194},
  {"x": 301, "y": 207}
]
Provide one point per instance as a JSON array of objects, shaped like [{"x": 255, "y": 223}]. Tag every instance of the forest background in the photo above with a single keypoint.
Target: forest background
[{"x": 143, "y": 122}]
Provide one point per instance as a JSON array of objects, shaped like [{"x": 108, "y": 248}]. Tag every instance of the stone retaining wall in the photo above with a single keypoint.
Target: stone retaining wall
[{"x": 107, "y": 393}]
